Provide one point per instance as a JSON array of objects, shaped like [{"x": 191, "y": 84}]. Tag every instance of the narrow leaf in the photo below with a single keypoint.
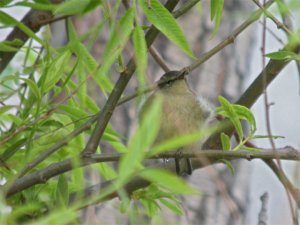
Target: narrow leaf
[
  {"x": 56, "y": 70},
  {"x": 7, "y": 48},
  {"x": 33, "y": 87},
  {"x": 229, "y": 165},
  {"x": 216, "y": 13},
  {"x": 8, "y": 20},
  {"x": 167, "y": 180},
  {"x": 250, "y": 149},
  {"x": 72, "y": 7},
  {"x": 163, "y": 20},
  {"x": 232, "y": 115},
  {"x": 173, "y": 206},
  {"x": 62, "y": 191},
  {"x": 140, "y": 51},
  {"x": 246, "y": 114},
  {"x": 142, "y": 140},
  {"x": 37, "y": 6},
  {"x": 283, "y": 55},
  {"x": 225, "y": 140},
  {"x": 118, "y": 39}
]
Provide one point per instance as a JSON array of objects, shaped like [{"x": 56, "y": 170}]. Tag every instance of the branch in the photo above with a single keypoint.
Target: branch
[
  {"x": 55, "y": 169},
  {"x": 274, "y": 19},
  {"x": 155, "y": 55},
  {"x": 138, "y": 183},
  {"x": 295, "y": 192}
]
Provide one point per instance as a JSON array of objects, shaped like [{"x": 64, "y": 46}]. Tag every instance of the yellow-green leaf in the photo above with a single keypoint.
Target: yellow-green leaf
[
  {"x": 163, "y": 20},
  {"x": 140, "y": 52}
]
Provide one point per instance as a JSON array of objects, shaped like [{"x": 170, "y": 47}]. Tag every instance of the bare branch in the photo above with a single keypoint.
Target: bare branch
[{"x": 158, "y": 59}]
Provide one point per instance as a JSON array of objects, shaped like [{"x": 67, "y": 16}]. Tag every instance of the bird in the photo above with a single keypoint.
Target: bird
[{"x": 183, "y": 112}]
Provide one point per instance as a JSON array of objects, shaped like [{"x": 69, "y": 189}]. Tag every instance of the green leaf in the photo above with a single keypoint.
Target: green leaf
[
  {"x": 283, "y": 55},
  {"x": 61, "y": 216},
  {"x": 232, "y": 115},
  {"x": 5, "y": 2},
  {"x": 140, "y": 52},
  {"x": 228, "y": 164},
  {"x": 33, "y": 87},
  {"x": 5, "y": 108},
  {"x": 243, "y": 113},
  {"x": 246, "y": 114},
  {"x": 250, "y": 149},
  {"x": 184, "y": 140},
  {"x": 7, "y": 48},
  {"x": 72, "y": 7},
  {"x": 173, "y": 206},
  {"x": 76, "y": 113},
  {"x": 10, "y": 21},
  {"x": 116, "y": 43},
  {"x": 167, "y": 180},
  {"x": 62, "y": 191},
  {"x": 268, "y": 136},
  {"x": 283, "y": 8},
  {"x": 91, "y": 6},
  {"x": 216, "y": 8},
  {"x": 151, "y": 206},
  {"x": 142, "y": 140},
  {"x": 11, "y": 46},
  {"x": 56, "y": 70},
  {"x": 163, "y": 20},
  {"x": 86, "y": 59},
  {"x": 225, "y": 140},
  {"x": 12, "y": 149},
  {"x": 37, "y": 6}
]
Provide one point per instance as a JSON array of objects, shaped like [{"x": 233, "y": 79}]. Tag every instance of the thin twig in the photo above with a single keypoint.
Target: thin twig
[
  {"x": 52, "y": 20},
  {"x": 158, "y": 59},
  {"x": 294, "y": 191},
  {"x": 266, "y": 101},
  {"x": 273, "y": 34},
  {"x": 136, "y": 94},
  {"x": 273, "y": 18},
  {"x": 253, "y": 17}
]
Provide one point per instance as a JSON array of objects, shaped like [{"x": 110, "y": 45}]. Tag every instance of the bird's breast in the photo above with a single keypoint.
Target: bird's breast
[{"x": 180, "y": 115}]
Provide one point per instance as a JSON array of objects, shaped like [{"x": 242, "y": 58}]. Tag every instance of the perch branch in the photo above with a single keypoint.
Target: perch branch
[{"x": 55, "y": 169}]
